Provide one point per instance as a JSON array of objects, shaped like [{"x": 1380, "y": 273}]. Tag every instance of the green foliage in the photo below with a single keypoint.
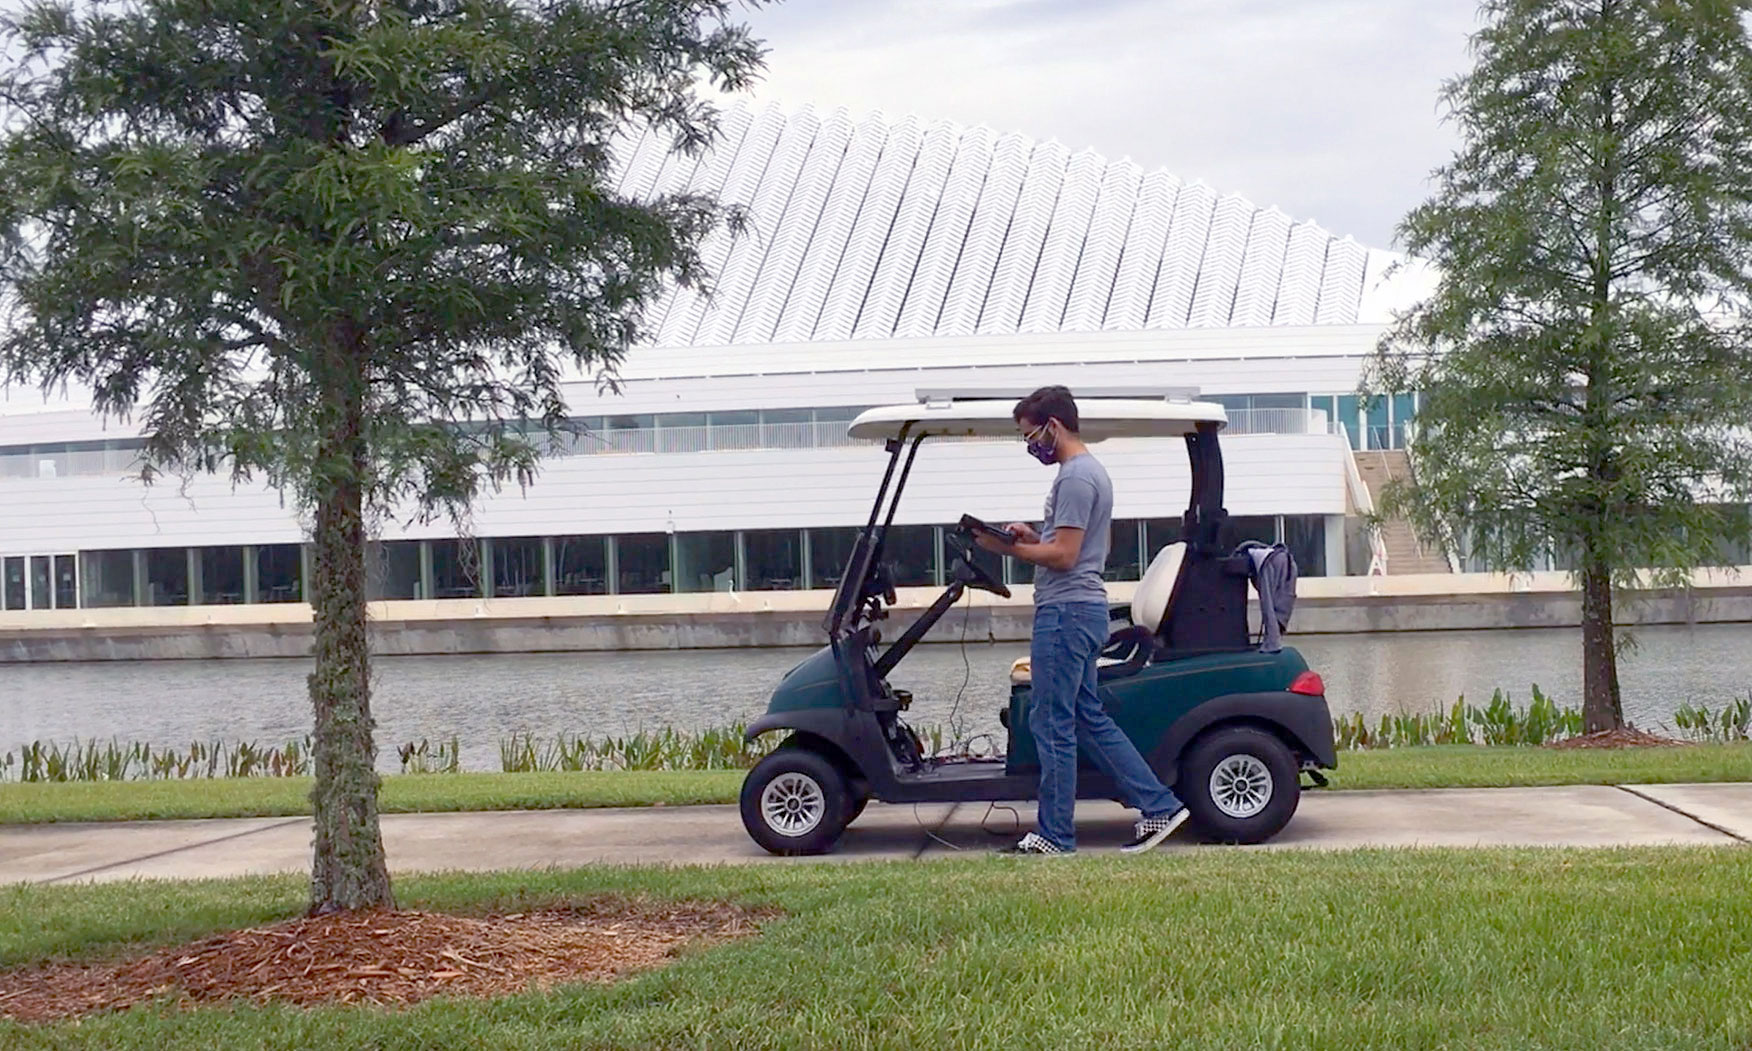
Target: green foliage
[
  {"x": 1498, "y": 723},
  {"x": 1583, "y": 359},
  {"x": 220, "y": 216},
  {"x": 665, "y": 749},
  {"x": 51, "y": 761},
  {"x": 1732, "y": 723}
]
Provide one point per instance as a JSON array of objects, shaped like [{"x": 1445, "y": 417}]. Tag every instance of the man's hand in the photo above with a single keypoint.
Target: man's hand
[
  {"x": 1024, "y": 532},
  {"x": 993, "y": 543}
]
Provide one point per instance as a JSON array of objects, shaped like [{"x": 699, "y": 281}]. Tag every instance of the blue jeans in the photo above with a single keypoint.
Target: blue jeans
[{"x": 1066, "y": 713}]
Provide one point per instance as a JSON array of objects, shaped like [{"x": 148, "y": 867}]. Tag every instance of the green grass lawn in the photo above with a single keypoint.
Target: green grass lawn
[
  {"x": 1487, "y": 949},
  {"x": 1446, "y": 766}
]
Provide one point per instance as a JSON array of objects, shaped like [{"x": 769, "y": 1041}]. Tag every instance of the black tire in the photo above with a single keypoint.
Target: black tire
[
  {"x": 806, "y": 813},
  {"x": 1237, "y": 809}
]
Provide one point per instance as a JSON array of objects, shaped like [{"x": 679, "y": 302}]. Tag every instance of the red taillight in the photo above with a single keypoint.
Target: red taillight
[{"x": 1308, "y": 684}]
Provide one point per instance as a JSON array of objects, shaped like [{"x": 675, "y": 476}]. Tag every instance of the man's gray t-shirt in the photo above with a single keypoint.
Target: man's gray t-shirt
[{"x": 1081, "y": 498}]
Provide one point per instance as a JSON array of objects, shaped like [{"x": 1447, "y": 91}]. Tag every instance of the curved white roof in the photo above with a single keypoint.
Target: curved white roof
[
  {"x": 1098, "y": 419},
  {"x": 893, "y": 228}
]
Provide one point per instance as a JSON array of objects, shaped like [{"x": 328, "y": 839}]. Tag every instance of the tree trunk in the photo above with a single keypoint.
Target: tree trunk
[
  {"x": 1602, "y": 707},
  {"x": 348, "y": 871}
]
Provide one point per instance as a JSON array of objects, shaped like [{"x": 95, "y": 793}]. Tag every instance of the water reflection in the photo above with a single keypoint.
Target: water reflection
[{"x": 483, "y": 698}]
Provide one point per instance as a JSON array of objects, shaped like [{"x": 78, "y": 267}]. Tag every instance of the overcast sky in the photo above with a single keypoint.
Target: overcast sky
[{"x": 1325, "y": 108}]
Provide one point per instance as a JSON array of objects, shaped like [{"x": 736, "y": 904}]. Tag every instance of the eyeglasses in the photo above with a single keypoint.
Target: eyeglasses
[{"x": 1037, "y": 433}]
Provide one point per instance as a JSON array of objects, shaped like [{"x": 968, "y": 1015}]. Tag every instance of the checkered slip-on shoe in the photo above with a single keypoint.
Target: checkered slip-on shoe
[
  {"x": 1153, "y": 830},
  {"x": 1035, "y": 846}
]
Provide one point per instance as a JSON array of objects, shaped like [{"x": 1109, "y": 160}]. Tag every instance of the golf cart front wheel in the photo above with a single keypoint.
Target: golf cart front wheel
[
  {"x": 1240, "y": 783},
  {"x": 795, "y": 801}
]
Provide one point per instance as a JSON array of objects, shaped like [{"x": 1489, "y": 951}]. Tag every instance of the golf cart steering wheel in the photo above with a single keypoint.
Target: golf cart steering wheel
[{"x": 970, "y": 572}]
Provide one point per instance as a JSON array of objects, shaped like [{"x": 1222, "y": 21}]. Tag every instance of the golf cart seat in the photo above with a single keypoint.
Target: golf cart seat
[{"x": 1150, "y": 604}]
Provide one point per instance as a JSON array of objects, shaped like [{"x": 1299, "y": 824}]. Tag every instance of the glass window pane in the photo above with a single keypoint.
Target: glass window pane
[
  {"x": 1327, "y": 404},
  {"x": 838, "y": 413},
  {"x": 1404, "y": 411},
  {"x": 167, "y": 576},
  {"x": 643, "y": 563},
  {"x": 635, "y": 422},
  {"x": 280, "y": 573},
  {"x": 1280, "y": 401},
  {"x": 785, "y": 415},
  {"x": 1020, "y": 572},
  {"x": 911, "y": 554},
  {"x": 41, "y": 586},
  {"x": 221, "y": 575},
  {"x": 580, "y": 565},
  {"x": 705, "y": 561},
  {"x": 1305, "y": 536},
  {"x": 456, "y": 568},
  {"x": 109, "y": 578},
  {"x": 392, "y": 571},
  {"x": 734, "y": 430},
  {"x": 50, "y": 461},
  {"x": 1736, "y": 550},
  {"x": 1262, "y": 528},
  {"x": 1159, "y": 533},
  {"x": 1376, "y": 413},
  {"x": 1348, "y": 415},
  {"x": 774, "y": 559},
  {"x": 1123, "y": 555},
  {"x": 66, "y": 582},
  {"x": 13, "y": 592},
  {"x": 517, "y": 568},
  {"x": 829, "y": 550}
]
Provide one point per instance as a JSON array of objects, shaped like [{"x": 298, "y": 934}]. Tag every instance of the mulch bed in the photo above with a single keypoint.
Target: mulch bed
[
  {"x": 386, "y": 958},
  {"x": 1624, "y": 737}
]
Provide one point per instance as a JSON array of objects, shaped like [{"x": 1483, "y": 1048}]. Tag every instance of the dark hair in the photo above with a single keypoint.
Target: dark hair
[{"x": 1048, "y": 403}]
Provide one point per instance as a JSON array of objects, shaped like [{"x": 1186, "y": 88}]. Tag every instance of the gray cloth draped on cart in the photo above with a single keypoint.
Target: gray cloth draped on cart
[{"x": 1274, "y": 576}]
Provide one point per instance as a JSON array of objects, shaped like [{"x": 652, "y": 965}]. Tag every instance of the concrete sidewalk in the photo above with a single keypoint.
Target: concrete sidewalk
[{"x": 1586, "y": 816}]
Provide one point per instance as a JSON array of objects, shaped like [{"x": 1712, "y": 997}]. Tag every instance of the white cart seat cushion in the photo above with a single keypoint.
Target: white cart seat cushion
[{"x": 1155, "y": 593}]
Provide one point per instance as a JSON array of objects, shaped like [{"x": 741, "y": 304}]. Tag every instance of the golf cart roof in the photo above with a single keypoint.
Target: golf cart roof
[{"x": 986, "y": 414}]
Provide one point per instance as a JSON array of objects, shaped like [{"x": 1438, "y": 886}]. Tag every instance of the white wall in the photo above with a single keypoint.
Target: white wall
[{"x": 1267, "y": 474}]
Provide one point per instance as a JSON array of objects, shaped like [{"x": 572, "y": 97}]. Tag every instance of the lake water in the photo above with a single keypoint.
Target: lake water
[{"x": 483, "y": 698}]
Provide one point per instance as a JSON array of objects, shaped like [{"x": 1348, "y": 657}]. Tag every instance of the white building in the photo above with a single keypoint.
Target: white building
[{"x": 882, "y": 258}]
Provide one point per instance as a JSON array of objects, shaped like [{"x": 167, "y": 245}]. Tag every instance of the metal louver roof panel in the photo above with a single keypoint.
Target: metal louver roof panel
[
  {"x": 1098, "y": 262},
  {"x": 1299, "y": 293},
  {"x": 740, "y": 186},
  {"x": 900, "y": 256},
  {"x": 1141, "y": 257},
  {"x": 1341, "y": 285},
  {"x": 1214, "y": 298},
  {"x": 1019, "y": 259},
  {"x": 887, "y": 229},
  {"x": 796, "y": 228},
  {"x": 708, "y": 178},
  {"x": 1171, "y": 302},
  {"x": 1262, "y": 269},
  {"x": 1049, "y": 294},
  {"x": 870, "y": 233},
  {"x": 802, "y": 309},
  {"x": 772, "y": 199},
  {"x": 985, "y": 236},
  {"x": 948, "y": 234}
]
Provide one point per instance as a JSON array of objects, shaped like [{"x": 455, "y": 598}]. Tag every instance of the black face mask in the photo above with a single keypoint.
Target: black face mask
[{"x": 1044, "y": 449}]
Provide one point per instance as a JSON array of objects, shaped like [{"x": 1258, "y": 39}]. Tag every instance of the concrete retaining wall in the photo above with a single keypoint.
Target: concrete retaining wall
[{"x": 1343, "y": 605}]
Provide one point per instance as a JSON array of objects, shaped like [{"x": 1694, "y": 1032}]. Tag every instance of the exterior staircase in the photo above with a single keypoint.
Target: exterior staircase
[{"x": 1405, "y": 555}]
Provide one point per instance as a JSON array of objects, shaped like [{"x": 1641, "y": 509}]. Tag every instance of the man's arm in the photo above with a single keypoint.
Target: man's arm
[{"x": 1060, "y": 553}]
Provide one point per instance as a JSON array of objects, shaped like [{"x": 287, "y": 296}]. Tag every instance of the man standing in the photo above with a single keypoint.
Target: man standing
[{"x": 1070, "y": 629}]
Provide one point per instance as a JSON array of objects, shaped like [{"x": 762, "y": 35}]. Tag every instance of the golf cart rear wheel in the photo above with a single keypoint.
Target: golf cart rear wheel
[
  {"x": 1240, "y": 783},
  {"x": 795, "y": 801}
]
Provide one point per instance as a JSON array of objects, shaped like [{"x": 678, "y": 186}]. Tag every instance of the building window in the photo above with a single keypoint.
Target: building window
[
  {"x": 911, "y": 553},
  {"x": 734, "y": 430},
  {"x": 456, "y": 568},
  {"x": 1263, "y": 528},
  {"x": 392, "y": 571},
  {"x": 1124, "y": 555},
  {"x": 829, "y": 551},
  {"x": 1159, "y": 533},
  {"x": 705, "y": 562},
  {"x": 280, "y": 573},
  {"x": 167, "y": 576},
  {"x": 773, "y": 559},
  {"x": 517, "y": 568},
  {"x": 580, "y": 565},
  {"x": 13, "y": 592},
  {"x": 41, "y": 582},
  {"x": 221, "y": 576},
  {"x": 1305, "y": 536},
  {"x": 109, "y": 578},
  {"x": 66, "y": 582},
  {"x": 642, "y": 563}
]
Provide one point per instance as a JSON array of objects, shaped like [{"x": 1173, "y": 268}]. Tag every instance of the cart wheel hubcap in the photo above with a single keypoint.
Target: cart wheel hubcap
[
  {"x": 793, "y": 804},
  {"x": 1241, "y": 786}
]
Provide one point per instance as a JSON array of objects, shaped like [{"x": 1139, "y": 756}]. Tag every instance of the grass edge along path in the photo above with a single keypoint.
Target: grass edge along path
[
  {"x": 1434, "y": 766},
  {"x": 1492, "y": 949}
]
